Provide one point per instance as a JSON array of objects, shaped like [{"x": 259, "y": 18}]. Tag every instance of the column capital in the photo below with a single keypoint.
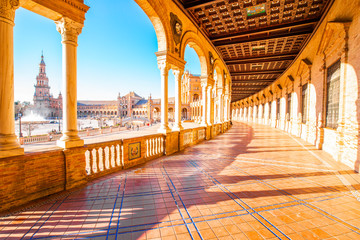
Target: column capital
[
  {"x": 7, "y": 10},
  {"x": 163, "y": 66},
  {"x": 178, "y": 74},
  {"x": 69, "y": 29}
]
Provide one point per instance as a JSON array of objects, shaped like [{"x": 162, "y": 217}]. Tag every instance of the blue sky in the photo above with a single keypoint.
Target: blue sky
[{"x": 116, "y": 53}]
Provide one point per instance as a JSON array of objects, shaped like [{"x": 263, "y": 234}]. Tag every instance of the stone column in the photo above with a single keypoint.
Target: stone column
[
  {"x": 178, "y": 74},
  {"x": 209, "y": 105},
  {"x": 164, "y": 71},
  {"x": 226, "y": 109},
  {"x": 69, "y": 31},
  {"x": 9, "y": 145},
  {"x": 204, "y": 87},
  {"x": 220, "y": 108}
]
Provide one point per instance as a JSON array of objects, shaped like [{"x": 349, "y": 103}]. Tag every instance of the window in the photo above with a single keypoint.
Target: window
[
  {"x": 304, "y": 100},
  {"x": 278, "y": 108},
  {"x": 288, "y": 109},
  {"x": 333, "y": 95}
]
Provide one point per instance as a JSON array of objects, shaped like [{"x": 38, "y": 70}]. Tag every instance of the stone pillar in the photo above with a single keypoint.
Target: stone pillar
[
  {"x": 69, "y": 31},
  {"x": 204, "y": 103},
  {"x": 226, "y": 109},
  {"x": 164, "y": 71},
  {"x": 9, "y": 145},
  {"x": 178, "y": 74},
  {"x": 221, "y": 107},
  {"x": 209, "y": 105}
]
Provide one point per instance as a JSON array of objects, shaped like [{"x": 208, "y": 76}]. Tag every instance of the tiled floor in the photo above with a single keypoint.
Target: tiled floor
[{"x": 253, "y": 182}]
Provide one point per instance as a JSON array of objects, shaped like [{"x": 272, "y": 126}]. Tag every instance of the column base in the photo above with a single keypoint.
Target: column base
[
  {"x": 203, "y": 124},
  {"x": 70, "y": 144},
  {"x": 164, "y": 129},
  {"x": 9, "y": 146},
  {"x": 177, "y": 128},
  {"x": 12, "y": 152}
]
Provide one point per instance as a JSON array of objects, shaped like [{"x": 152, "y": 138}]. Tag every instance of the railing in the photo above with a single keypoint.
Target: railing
[
  {"x": 83, "y": 133},
  {"x": 38, "y": 139},
  {"x": 201, "y": 134},
  {"x": 154, "y": 146},
  {"x": 188, "y": 138},
  {"x": 102, "y": 157},
  {"x": 62, "y": 169}
]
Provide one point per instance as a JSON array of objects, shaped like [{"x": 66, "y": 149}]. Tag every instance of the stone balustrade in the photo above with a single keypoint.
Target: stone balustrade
[
  {"x": 39, "y": 174},
  {"x": 101, "y": 158}
]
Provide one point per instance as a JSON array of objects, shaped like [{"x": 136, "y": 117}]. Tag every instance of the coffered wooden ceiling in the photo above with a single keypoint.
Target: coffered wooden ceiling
[{"x": 258, "y": 39}]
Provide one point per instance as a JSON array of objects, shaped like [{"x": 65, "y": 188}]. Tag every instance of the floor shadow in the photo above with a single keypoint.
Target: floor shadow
[{"x": 165, "y": 196}]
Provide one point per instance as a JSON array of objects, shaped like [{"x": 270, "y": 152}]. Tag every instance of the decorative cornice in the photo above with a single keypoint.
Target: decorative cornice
[
  {"x": 7, "y": 10},
  {"x": 79, "y": 5},
  {"x": 69, "y": 29}
]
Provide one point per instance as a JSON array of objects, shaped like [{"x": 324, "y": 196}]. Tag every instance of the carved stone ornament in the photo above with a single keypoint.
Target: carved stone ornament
[
  {"x": 212, "y": 61},
  {"x": 7, "y": 10},
  {"x": 68, "y": 29},
  {"x": 176, "y": 27}
]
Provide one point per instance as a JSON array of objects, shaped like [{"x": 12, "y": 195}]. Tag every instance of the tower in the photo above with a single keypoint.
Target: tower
[{"x": 42, "y": 89}]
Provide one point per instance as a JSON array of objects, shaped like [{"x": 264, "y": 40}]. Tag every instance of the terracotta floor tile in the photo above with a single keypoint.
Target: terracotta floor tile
[
  {"x": 220, "y": 231},
  {"x": 251, "y": 167},
  {"x": 253, "y": 235}
]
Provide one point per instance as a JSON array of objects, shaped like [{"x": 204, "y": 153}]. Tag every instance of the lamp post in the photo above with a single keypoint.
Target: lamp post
[{"x": 20, "y": 115}]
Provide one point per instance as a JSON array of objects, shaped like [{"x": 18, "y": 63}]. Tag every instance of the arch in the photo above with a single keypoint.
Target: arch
[
  {"x": 219, "y": 74},
  {"x": 184, "y": 113},
  {"x": 196, "y": 97},
  {"x": 192, "y": 39},
  {"x": 155, "y": 12}
]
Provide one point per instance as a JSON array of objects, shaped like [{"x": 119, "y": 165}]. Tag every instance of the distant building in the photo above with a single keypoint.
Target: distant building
[
  {"x": 130, "y": 105},
  {"x": 44, "y": 102}
]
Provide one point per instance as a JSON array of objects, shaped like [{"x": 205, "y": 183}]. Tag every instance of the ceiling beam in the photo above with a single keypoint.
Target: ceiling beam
[
  {"x": 234, "y": 84},
  {"x": 262, "y": 38},
  {"x": 257, "y": 72},
  {"x": 310, "y": 23},
  {"x": 248, "y": 86},
  {"x": 243, "y": 92},
  {"x": 197, "y": 4},
  {"x": 250, "y": 80},
  {"x": 261, "y": 59}
]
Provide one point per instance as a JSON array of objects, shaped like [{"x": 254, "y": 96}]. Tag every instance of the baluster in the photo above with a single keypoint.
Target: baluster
[
  {"x": 100, "y": 160},
  {"x": 155, "y": 152},
  {"x": 159, "y": 147},
  {"x": 107, "y": 157},
  {"x": 162, "y": 145},
  {"x": 112, "y": 156},
  {"x": 87, "y": 163},
  {"x": 152, "y": 147},
  {"x": 122, "y": 156},
  {"x": 155, "y": 146},
  {"x": 118, "y": 162},
  {"x": 147, "y": 147},
  {"x": 94, "y": 161}
]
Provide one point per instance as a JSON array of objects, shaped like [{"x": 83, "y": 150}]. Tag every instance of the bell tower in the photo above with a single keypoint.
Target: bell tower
[{"x": 42, "y": 88}]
